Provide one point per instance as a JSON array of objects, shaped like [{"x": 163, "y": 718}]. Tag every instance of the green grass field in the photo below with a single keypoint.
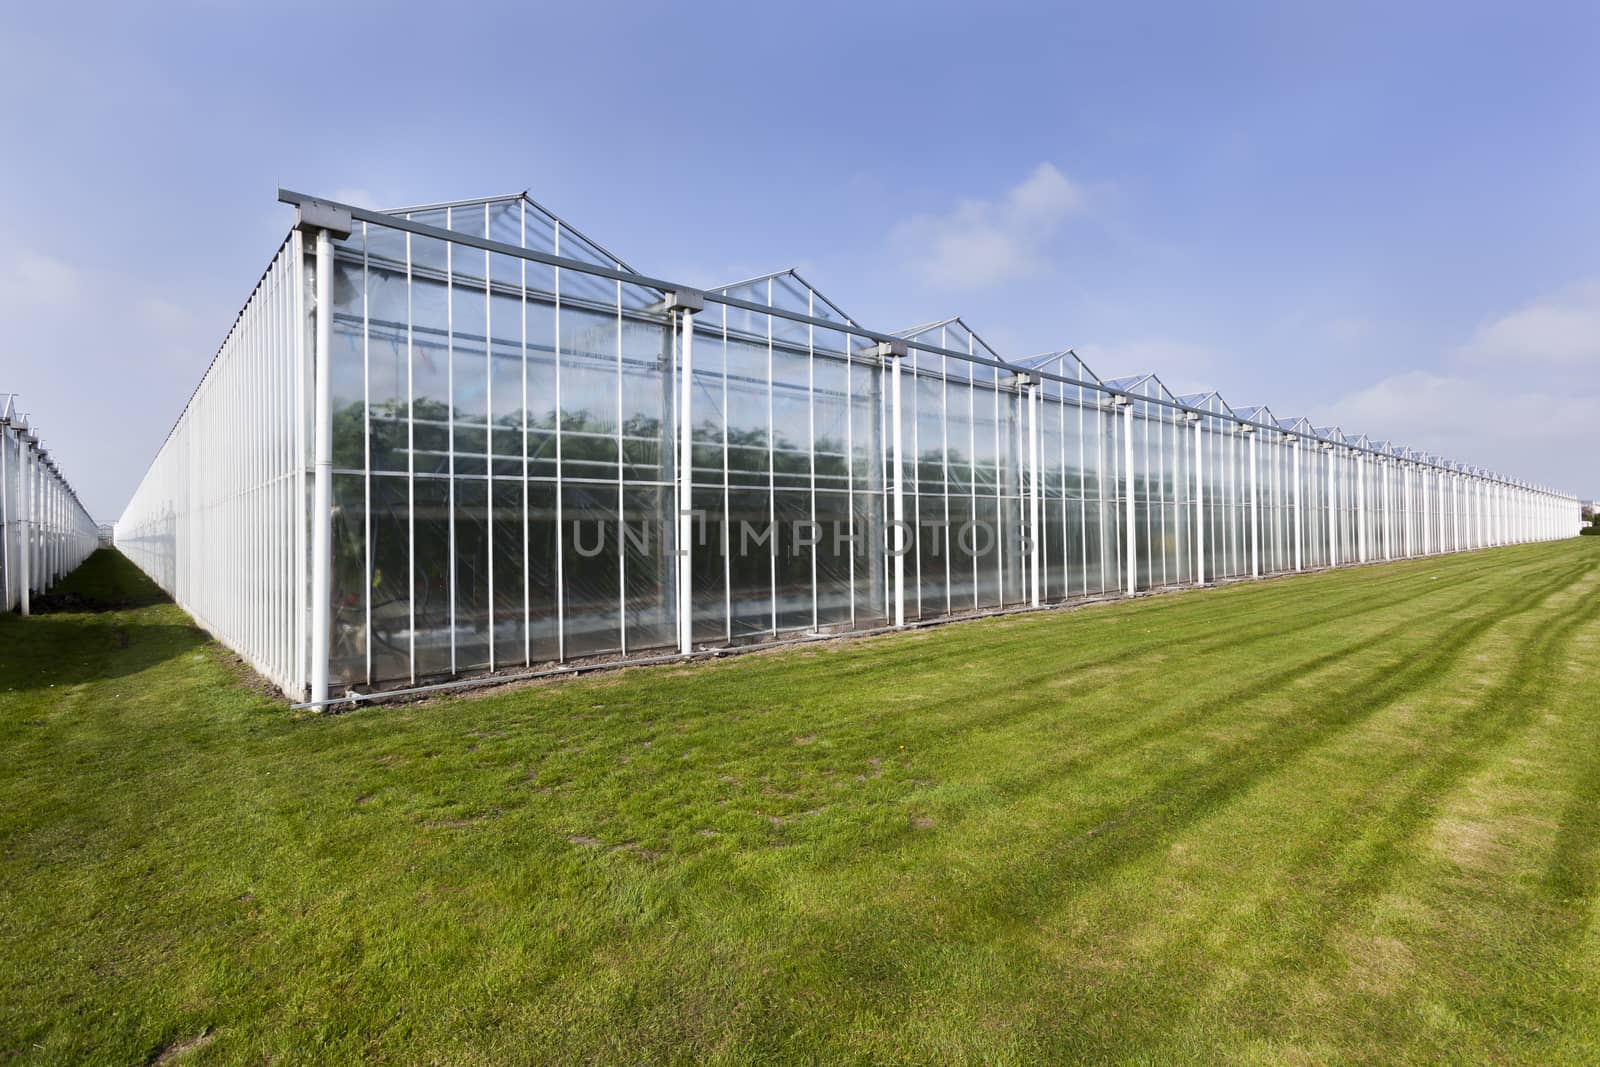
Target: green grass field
[{"x": 1353, "y": 816}]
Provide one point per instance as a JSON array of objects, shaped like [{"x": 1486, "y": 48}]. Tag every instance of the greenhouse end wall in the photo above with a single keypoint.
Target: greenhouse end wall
[
  {"x": 532, "y": 454},
  {"x": 45, "y": 533}
]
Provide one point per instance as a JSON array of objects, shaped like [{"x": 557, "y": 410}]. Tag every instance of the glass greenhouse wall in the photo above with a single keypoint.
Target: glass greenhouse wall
[
  {"x": 466, "y": 438},
  {"x": 44, "y": 531}
]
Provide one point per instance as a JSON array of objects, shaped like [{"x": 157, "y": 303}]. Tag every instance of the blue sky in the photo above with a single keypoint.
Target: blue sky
[{"x": 1380, "y": 217}]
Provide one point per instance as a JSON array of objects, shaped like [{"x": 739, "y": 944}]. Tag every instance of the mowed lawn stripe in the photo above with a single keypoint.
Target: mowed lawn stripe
[{"x": 1342, "y": 816}]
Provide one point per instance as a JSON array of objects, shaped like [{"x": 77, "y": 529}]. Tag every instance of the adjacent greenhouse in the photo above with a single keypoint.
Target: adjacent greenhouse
[
  {"x": 44, "y": 531},
  {"x": 466, "y": 438}
]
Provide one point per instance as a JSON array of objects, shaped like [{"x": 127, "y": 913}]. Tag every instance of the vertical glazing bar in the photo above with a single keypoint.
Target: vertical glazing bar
[
  {"x": 972, "y": 465},
  {"x": 916, "y": 482},
  {"x": 811, "y": 433},
  {"x": 772, "y": 484},
  {"x": 411, "y": 474},
  {"x": 450, "y": 420},
  {"x": 527, "y": 484},
  {"x": 850, "y": 463},
  {"x": 727, "y": 495},
  {"x": 561, "y": 472},
  {"x": 622, "y": 499},
  {"x": 488, "y": 440},
  {"x": 301, "y": 563},
  {"x": 944, "y": 467},
  {"x": 1299, "y": 507}
]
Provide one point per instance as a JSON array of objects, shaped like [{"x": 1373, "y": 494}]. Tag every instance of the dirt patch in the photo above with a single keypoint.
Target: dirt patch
[
  {"x": 243, "y": 674},
  {"x": 785, "y": 820},
  {"x": 923, "y": 822},
  {"x": 1378, "y": 962},
  {"x": 180, "y": 1048},
  {"x": 1471, "y": 844}
]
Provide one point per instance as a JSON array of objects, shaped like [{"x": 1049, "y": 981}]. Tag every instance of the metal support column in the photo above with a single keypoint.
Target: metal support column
[
  {"x": 893, "y": 353},
  {"x": 327, "y": 223},
  {"x": 686, "y": 303}
]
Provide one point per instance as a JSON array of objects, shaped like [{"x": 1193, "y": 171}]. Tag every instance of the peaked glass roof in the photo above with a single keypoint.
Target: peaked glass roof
[
  {"x": 787, "y": 291},
  {"x": 1065, "y": 363},
  {"x": 518, "y": 219}
]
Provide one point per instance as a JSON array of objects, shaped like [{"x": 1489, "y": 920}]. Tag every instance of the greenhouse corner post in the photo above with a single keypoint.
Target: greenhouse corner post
[
  {"x": 687, "y": 303},
  {"x": 326, "y": 223}
]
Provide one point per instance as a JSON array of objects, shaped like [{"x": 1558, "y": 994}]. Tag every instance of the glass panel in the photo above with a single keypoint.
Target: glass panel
[
  {"x": 592, "y": 570},
  {"x": 431, "y": 523},
  {"x": 391, "y": 566}
]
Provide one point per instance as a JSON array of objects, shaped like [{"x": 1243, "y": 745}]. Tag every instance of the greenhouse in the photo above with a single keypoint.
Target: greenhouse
[
  {"x": 467, "y": 438},
  {"x": 44, "y": 531}
]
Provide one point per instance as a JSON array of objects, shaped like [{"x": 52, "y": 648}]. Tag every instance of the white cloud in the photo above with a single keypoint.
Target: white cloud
[
  {"x": 1426, "y": 408},
  {"x": 1561, "y": 329},
  {"x": 1522, "y": 431},
  {"x": 1519, "y": 396},
  {"x": 985, "y": 242}
]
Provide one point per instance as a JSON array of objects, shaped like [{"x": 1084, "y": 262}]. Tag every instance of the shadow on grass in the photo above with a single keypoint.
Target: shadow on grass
[
  {"x": 106, "y": 581},
  {"x": 66, "y": 649}
]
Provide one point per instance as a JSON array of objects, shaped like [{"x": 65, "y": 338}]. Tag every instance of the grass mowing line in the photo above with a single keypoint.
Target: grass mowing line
[
  {"x": 1083, "y": 856},
  {"x": 415, "y": 896},
  {"x": 1028, "y": 681},
  {"x": 1480, "y": 728},
  {"x": 842, "y": 943},
  {"x": 1440, "y": 779}
]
